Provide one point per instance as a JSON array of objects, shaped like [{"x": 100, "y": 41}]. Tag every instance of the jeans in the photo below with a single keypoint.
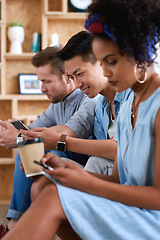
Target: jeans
[{"x": 21, "y": 200}]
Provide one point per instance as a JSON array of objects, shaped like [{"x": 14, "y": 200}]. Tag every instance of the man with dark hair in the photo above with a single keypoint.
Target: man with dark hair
[
  {"x": 78, "y": 45},
  {"x": 70, "y": 112},
  {"x": 86, "y": 72}
]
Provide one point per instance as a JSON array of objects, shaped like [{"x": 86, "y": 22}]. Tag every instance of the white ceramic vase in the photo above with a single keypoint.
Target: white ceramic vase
[
  {"x": 54, "y": 40},
  {"x": 16, "y": 38}
]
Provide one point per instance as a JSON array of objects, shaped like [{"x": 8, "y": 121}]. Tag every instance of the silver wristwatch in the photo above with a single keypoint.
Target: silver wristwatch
[{"x": 19, "y": 139}]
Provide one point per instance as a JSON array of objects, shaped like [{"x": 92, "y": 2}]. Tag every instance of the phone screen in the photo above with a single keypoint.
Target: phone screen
[
  {"x": 43, "y": 165},
  {"x": 19, "y": 125}
]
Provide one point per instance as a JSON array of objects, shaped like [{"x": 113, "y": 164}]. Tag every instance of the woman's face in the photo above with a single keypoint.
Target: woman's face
[{"x": 117, "y": 68}]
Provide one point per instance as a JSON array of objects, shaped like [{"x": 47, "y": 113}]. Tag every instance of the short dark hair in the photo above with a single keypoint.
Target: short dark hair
[
  {"x": 78, "y": 45},
  {"x": 49, "y": 56}
]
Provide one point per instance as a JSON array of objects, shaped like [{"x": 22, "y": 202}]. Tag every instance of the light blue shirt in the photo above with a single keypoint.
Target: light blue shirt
[
  {"x": 102, "y": 113},
  {"x": 108, "y": 219},
  {"x": 76, "y": 112},
  {"x": 136, "y": 147}
]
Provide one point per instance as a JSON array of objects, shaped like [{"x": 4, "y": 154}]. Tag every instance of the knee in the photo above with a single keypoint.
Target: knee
[
  {"x": 36, "y": 188},
  {"x": 49, "y": 198}
]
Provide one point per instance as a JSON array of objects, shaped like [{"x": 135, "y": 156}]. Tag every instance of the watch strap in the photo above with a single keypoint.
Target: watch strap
[
  {"x": 61, "y": 145},
  {"x": 63, "y": 138}
]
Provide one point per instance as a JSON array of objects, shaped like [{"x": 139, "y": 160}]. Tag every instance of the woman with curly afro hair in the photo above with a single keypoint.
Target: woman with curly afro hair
[{"x": 125, "y": 205}]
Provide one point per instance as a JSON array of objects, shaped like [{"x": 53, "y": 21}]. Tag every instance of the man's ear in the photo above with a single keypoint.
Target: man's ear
[{"x": 69, "y": 79}]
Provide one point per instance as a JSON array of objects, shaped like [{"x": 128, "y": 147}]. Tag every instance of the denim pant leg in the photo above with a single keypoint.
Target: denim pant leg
[
  {"x": 20, "y": 200},
  {"x": 77, "y": 157}
]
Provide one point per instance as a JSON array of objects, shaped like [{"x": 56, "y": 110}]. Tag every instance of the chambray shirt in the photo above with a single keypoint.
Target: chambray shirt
[
  {"x": 76, "y": 112},
  {"x": 102, "y": 113}
]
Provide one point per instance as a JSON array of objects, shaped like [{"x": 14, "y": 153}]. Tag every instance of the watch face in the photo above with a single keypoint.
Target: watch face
[
  {"x": 79, "y": 5},
  {"x": 61, "y": 146}
]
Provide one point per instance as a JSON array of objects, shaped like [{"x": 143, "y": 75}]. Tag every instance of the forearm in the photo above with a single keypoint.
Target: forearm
[
  {"x": 100, "y": 148},
  {"x": 50, "y": 135},
  {"x": 109, "y": 178},
  {"x": 139, "y": 196},
  {"x": 63, "y": 129}
]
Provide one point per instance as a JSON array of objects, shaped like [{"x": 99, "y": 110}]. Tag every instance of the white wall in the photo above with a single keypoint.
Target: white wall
[{"x": 157, "y": 65}]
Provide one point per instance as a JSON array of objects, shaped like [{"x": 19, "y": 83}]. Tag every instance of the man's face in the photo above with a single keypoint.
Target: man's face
[
  {"x": 53, "y": 86},
  {"x": 87, "y": 76}
]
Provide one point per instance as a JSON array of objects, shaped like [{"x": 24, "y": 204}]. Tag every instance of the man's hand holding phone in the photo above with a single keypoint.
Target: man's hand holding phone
[{"x": 8, "y": 134}]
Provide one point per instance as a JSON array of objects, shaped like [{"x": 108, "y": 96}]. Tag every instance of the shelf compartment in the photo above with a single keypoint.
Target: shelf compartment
[
  {"x": 29, "y": 14},
  {"x": 15, "y": 67},
  {"x": 32, "y": 107},
  {"x": 5, "y": 156},
  {"x": 6, "y": 181},
  {"x": 65, "y": 28},
  {"x": 5, "y": 109},
  {"x": 54, "y": 5}
]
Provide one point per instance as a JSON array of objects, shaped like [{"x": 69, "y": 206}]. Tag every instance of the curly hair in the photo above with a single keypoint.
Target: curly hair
[{"x": 133, "y": 21}]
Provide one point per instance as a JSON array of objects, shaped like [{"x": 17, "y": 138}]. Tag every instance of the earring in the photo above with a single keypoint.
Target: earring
[{"x": 135, "y": 74}]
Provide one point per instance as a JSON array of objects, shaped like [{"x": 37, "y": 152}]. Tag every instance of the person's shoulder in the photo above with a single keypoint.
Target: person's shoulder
[
  {"x": 101, "y": 99},
  {"x": 154, "y": 99},
  {"x": 101, "y": 103}
]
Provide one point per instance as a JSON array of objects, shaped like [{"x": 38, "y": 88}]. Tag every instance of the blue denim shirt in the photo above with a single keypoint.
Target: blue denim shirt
[{"x": 102, "y": 112}]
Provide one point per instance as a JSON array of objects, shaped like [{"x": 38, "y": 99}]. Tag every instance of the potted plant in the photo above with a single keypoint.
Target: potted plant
[{"x": 16, "y": 36}]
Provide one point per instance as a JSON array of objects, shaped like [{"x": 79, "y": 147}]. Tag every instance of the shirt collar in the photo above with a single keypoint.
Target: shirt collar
[
  {"x": 72, "y": 96},
  {"x": 121, "y": 96}
]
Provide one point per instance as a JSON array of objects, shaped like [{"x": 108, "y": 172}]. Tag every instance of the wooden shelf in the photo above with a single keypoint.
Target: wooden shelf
[
  {"x": 24, "y": 97},
  {"x": 69, "y": 15},
  {"x": 42, "y": 16},
  {"x": 19, "y": 56},
  {"x": 6, "y": 161}
]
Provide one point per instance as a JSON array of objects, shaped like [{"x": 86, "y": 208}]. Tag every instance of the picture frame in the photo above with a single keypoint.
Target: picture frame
[{"x": 29, "y": 84}]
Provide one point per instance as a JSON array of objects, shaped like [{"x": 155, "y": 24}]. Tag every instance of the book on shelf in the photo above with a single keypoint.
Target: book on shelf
[{"x": 36, "y": 42}]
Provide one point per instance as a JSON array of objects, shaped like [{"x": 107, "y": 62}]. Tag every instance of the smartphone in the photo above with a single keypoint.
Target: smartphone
[
  {"x": 43, "y": 165},
  {"x": 19, "y": 125}
]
